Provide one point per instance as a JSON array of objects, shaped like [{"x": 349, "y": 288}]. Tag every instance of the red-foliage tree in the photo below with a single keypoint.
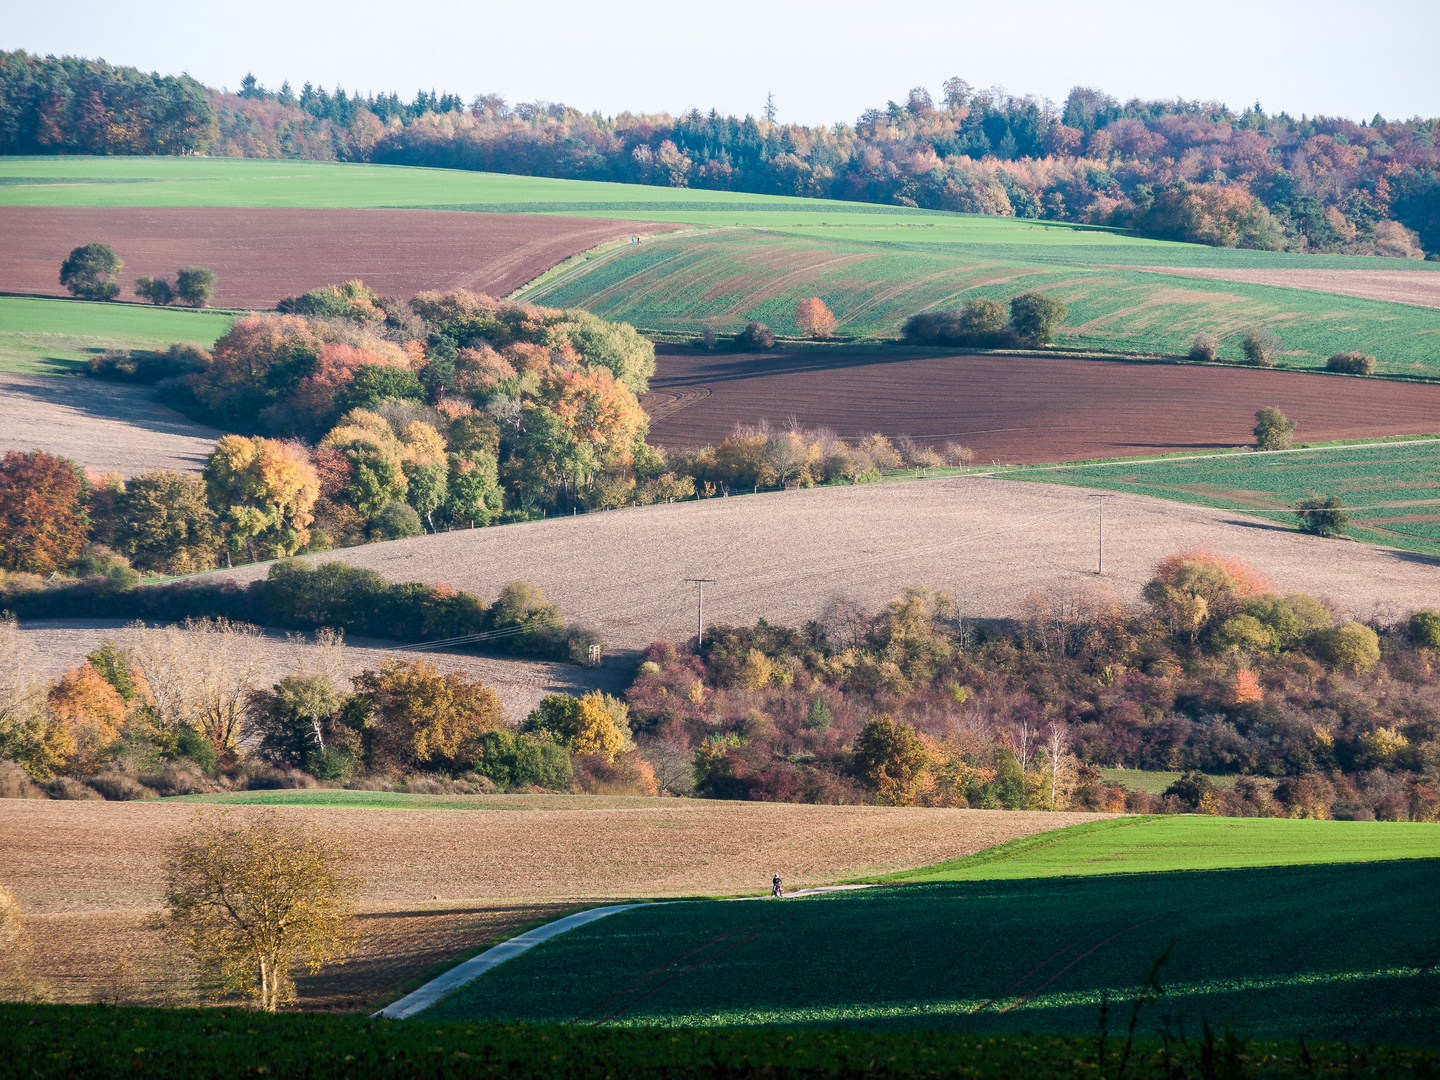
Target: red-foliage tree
[
  {"x": 814, "y": 318},
  {"x": 42, "y": 512}
]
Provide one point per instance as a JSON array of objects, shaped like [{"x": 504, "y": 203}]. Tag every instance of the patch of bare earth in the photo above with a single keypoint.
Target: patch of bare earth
[
  {"x": 1416, "y": 286},
  {"x": 782, "y": 556},
  {"x": 520, "y": 684},
  {"x": 89, "y": 874},
  {"x": 261, "y": 255},
  {"x": 1017, "y": 409},
  {"x": 104, "y": 426}
]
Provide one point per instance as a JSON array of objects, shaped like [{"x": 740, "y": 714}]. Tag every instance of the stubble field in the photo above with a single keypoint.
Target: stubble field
[
  {"x": 443, "y": 882},
  {"x": 1017, "y": 409},
  {"x": 783, "y": 556}
]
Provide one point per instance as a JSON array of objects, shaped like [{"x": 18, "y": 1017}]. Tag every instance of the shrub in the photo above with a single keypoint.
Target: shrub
[
  {"x": 120, "y": 787},
  {"x": 1273, "y": 429},
  {"x": 1036, "y": 315},
  {"x": 755, "y": 336},
  {"x": 351, "y": 300},
  {"x": 15, "y": 784},
  {"x": 395, "y": 521},
  {"x": 195, "y": 285},
  {"x": 1353, "y": 647},
  {"x": 708, "y": 337},
  {"x": 1192, "y": 790},
  {"x": 1323, "y": 517},
  {"x": 1205, "y": 347},
  {"x": 146, "y": 366},
  {"x": 515, "y": 760},
  {"x": 980, "y": 322},
  {"x": 87, "y": 273},
  {"x": 1261, "y": 347},
  {"x": 1424, "y": 627},
  {"x": 158, "y": 291},
  {"x": 69, "y": 789},
  {"x": 1351, "y": 363}
]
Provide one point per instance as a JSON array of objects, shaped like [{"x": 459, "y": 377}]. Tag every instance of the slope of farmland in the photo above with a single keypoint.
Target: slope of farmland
[
  {"x": 49, "y": 337},
  {"x": 104, "y": 426},
  {"x": 439, "y": 882},
  {"x": 783, "y": 556},
  {"x": 261, "y": 256},
  {"x": 1016, "y": 409},
  {"x": 1408, "y": 286},
  {"x": 729, "y": 278}
]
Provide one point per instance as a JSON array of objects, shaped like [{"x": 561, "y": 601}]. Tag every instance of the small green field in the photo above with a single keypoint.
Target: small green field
[
  {"x": 1336, "y": 952},
  {"x": 45, "y": 337},
  {"x": 44, "y": 1041},
  {"x": 1132, "y": 845},
  {"x": 1394, "y": 488},
  {"x": 403, "y": 800},
  {"x": 1154, "y": 781}
]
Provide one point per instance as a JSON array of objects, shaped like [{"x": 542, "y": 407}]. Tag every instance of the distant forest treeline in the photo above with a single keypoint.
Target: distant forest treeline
[{"x": 1184, "y": 170}]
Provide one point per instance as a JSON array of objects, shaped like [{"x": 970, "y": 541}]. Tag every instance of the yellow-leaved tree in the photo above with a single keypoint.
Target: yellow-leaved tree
[
  {"x": 264, "y": 492},
  {"x": 250, "y": 900}
]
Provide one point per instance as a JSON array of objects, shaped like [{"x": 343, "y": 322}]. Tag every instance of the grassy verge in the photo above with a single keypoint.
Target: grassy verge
[
  {"x": 54, "y": 337},
  {"x": 1328, "y": 952},
  {"x": 1129, "y": 845},
  {"x": 82, "y": 1041}
]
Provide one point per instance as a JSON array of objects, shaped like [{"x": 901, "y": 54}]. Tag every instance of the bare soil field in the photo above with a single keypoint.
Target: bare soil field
[
  {"x": 1420, "y": 287},
  {"x": 104, "y": 426},
  {"x": 784, "y": 555},
  {"x": 520, "y": 684},
  {"x": 88, "y": 874},
  {"x": 1017, "y": 409},
  {"x": 262, "y": 255}
]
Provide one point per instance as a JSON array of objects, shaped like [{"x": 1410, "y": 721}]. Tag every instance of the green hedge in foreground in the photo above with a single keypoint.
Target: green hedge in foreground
[{"x": 44, "y": 1041}]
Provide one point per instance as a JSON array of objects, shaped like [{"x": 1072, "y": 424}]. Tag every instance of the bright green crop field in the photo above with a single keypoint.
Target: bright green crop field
[
  {"x": 45, "y": 337},
  {"x": 732, "y": 277},
  {"x": 1377, "y": 481},
  {"x": 1132, "y": 845},
  {"x": 1338, "y": 952}
]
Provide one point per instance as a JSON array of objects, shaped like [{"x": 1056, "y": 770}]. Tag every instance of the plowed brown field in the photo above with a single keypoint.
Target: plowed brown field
[
  {"x": 1018, "y": 409},
  {"x": 88, "y": 874},
  {"x": 261, "y": 255}
]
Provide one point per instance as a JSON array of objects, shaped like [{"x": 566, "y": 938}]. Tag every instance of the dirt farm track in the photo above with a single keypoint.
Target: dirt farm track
[
  {"x": 261, "y": 256},
  {"x": 441, "y": 881},
  {"x": 1018, "y": 409}
]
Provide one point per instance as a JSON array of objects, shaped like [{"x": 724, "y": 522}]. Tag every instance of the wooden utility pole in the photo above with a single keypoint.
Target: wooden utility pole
[
  {"x": 700, "y": 583},
  {"x": 1100, "y": 571}
]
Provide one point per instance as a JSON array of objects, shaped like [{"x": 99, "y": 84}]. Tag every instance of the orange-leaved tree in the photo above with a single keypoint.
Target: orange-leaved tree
[
  {"x": 93, "y": 713},
  {"x": 814, "y": 318},
  {"x": 42, "y": 512},
  {"x": 422, "y": 719},
  {"x": 892, "y": 760}
]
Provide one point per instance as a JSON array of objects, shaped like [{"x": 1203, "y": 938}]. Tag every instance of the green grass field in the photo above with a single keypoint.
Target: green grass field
[
  {"x": 1143, "y": 845},
  {"x": 1338, "y": 952},
  {"x": 1378, "y": 481},
  {"x": 44, "y": 1041},
  {"x": 46, "y": 337}
]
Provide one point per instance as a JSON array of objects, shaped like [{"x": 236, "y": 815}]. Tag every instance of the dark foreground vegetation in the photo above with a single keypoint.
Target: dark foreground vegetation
[
  {"x": 1185, "y": 170},
  {"x": 82, "y": 1041}
]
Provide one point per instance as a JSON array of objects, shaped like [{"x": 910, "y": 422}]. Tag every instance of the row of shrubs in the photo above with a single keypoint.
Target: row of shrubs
[
  {"x": 1262, "y": 347},
  {"x": 298, "y": 596}
]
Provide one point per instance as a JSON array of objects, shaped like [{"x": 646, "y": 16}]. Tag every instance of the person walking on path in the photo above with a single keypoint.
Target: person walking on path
[{"x": 775, "y": 889}]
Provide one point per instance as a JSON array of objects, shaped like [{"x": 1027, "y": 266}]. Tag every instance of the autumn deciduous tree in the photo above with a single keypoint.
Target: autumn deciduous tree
[
  {"x": 266, "y": 490},
  {"x": 165, "y": 523},
  {"x": 42, "y": 512},
  {"x": 1036, "y": 315},
  {"x": 422, "y": 719},
  {"x": 92, "y": 712},
  {"x": 814, "y": 318},
  {"x": 891, "y": 760},
  {"x": 250, "y": 900},
  {"x": 1323, "y": 516},
  {"x": 1273, "y": 429}
]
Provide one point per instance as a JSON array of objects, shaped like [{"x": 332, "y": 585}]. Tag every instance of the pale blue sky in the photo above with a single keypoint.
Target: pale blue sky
[{"x": 824, "y": 61}]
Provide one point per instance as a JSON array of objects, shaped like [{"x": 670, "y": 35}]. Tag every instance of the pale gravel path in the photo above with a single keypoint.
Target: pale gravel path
[
  {"x": 105, "y": 426},
  {"x": 520, "y": 684},
  {"x": 782, "y": 556}
]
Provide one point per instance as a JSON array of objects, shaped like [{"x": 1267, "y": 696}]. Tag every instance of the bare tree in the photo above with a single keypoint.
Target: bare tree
[
  {"x": 1057, "y": 746},
  {"x": 199, "y": 675},
  {"x": 250, "y": 901},
  {"x": 672, "y": 764},
  {"x": 1022, "y": 743},
  {"x": 22, "y": 688}
]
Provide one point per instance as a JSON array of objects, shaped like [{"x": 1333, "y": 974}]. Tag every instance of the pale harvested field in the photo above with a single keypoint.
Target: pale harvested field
[
  {"x": 88, "y": 874},
  {"x": 520, "y": 684},
  {"x": 782, "y": 556},
  {"x": 104, "y": 426},
  {"x": 1421, "y": 287}
]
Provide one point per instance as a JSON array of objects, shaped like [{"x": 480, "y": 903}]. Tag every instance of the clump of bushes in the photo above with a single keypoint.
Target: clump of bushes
[
  {"x": 982, "y": 323},
  {"x": 1351, "y": 363},
  {"x": 148, "y": 366},
  {"x": 1205, "y": 348},
  {"x": 1261, "y": 347},
  {"x": 755, "y": 336}
]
